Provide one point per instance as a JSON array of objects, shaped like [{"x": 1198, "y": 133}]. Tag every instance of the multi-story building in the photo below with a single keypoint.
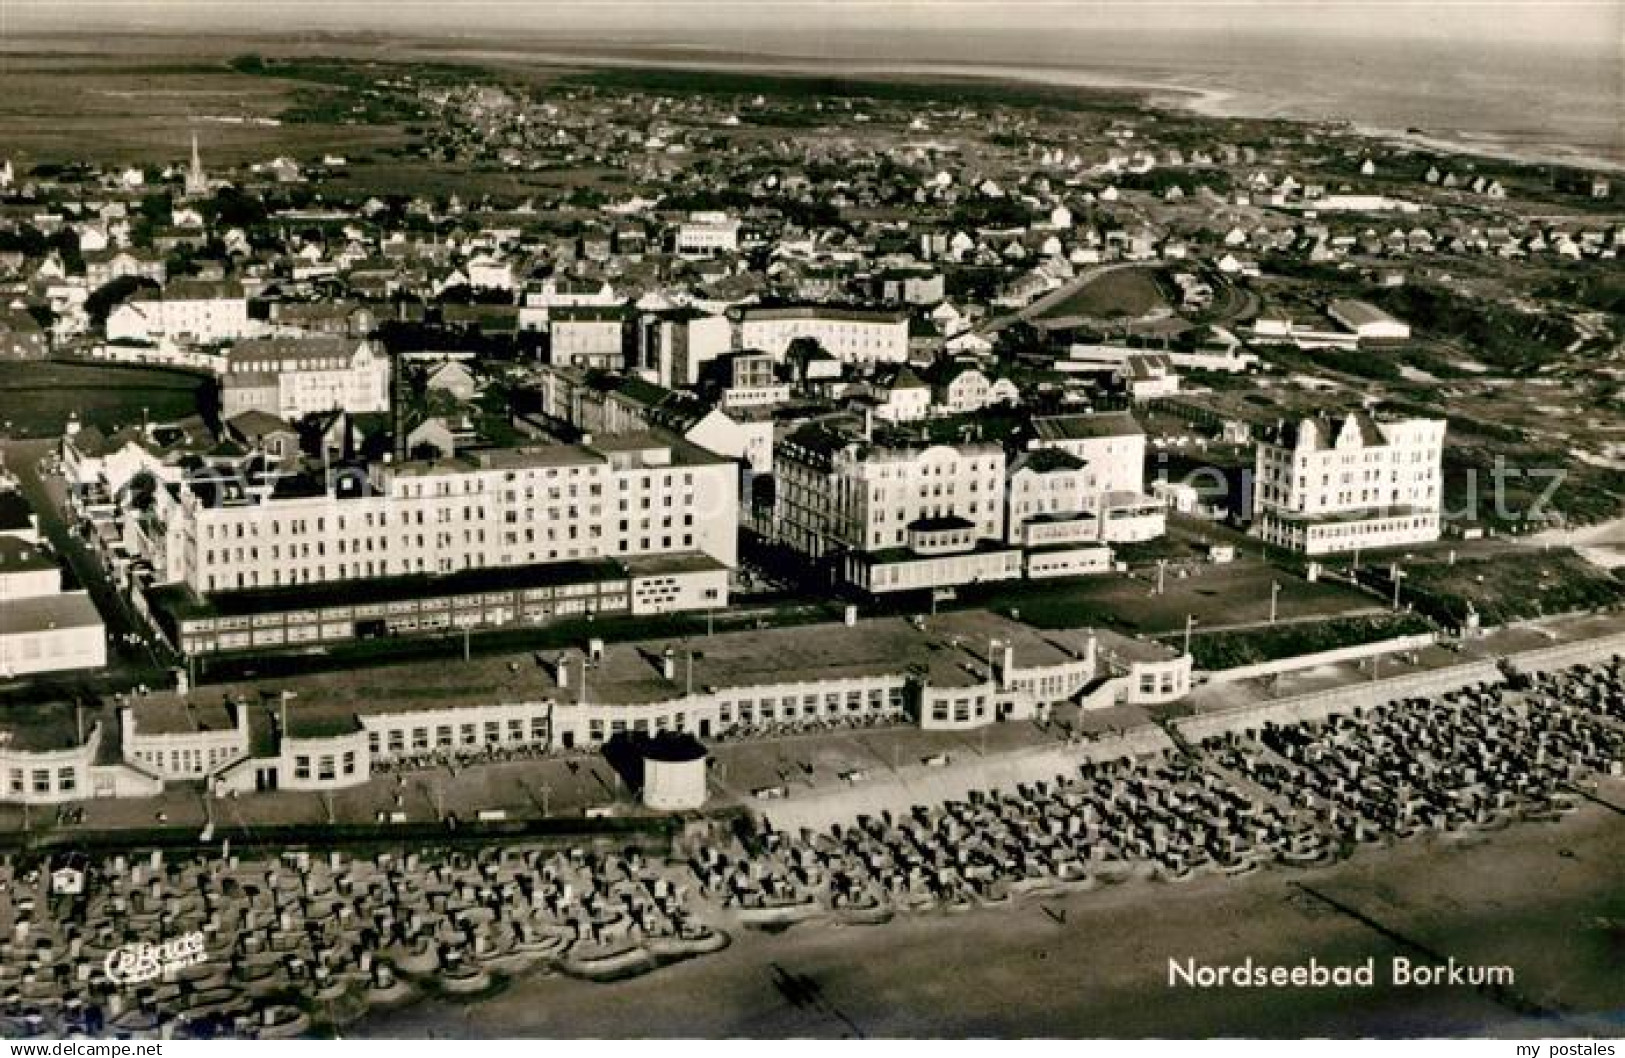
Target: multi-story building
[
  {"x": 588, "y": 336},
  {"x": 707, "y": 234},
  {"x": 294, "y": 377},
  {"x": 1323, "y": 486},
  {"x": 889, "y": 518},
  {"x": 42, "y": 627},
  {"x": 603, "y": 405},
  {"x": 189, "y": 310},
  {"x": 853, "y": 336},
  {"x": 674, "y": 347},
  {"x": 104, "y": 266},
  {"x": 1051, "y": 512},
  {"x": 1112, "y": 446},
  {"x": 620, "y": 498}
]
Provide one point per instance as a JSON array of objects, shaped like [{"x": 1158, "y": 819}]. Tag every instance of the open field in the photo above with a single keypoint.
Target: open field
[
  {"x": 1236, "y": 593},
  {"x": 1116, "y": 294},
  {"x": 144, "y": 109},
  {"x": 1511, "y": 586},
  {"x": 40, "y": 395}
]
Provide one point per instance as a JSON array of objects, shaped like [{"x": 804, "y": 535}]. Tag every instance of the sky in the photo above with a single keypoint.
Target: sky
[{"x": 1589, "y": 25}]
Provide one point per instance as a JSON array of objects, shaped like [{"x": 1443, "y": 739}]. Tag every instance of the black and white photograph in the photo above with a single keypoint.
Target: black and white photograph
[{"x": 812, "y": 520}]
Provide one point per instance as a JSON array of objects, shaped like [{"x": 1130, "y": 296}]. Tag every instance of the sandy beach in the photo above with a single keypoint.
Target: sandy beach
[
  {"x": 1546, "y": 899},
  {"x": 1213, "y": 100}
]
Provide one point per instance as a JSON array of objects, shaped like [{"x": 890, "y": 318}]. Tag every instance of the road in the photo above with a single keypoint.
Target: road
[{"x": 128, "y": 664}]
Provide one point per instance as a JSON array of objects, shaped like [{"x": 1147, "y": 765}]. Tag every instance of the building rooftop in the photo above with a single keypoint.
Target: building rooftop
[
  {"x": 19, "y": 556},
  {"x": 1354, "y": 313},
  {"x": 1086, "y": 426},
  {"x": 182, "y": 603},
  {"x": 46, "y": 612},
  {"x": 825, "y": 312},
  {"x": 952, "y": 648},
  {"x": 172, "y": 715},
  {"x": 44, "y": 727},
  {"x": 16, "y": 516}
]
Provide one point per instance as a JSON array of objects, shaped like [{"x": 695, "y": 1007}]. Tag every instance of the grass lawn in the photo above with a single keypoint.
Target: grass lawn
[
  {"x": 40, "y": 395},
  {"x": 1236, "y": 593},
  {"x": 1510, "y": 586},
  {"x": 1227, "y": 650},
  {"x": 1124, "y": 293}
]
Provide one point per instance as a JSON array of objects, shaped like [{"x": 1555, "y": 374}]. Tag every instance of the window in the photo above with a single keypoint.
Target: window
[{"x": 301, "y": 767}]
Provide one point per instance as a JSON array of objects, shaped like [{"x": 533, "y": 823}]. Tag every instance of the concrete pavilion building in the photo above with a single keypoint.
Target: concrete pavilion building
[{"x": 328, "y": 731}]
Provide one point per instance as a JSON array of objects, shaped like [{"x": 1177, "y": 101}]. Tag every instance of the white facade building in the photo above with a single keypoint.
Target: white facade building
[
  {"x": 894, "y": 519},
  {"x": 707, "y": 234},
  {"x": 620, "y": 498},
  {"x": 852, "y": 336},
  {"x": 1111, "y": 445},
  {"x": 192, "y": 311},
  {"x": 1325, "y": 486},
  {"x": 294, "y": 377}
]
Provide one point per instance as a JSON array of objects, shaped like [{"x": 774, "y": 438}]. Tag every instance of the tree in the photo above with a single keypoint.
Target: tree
[{"x": 106, "y": 297}]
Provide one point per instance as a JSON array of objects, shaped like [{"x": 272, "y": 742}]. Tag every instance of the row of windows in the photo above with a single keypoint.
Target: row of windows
[
  {"x": 38, "y": 780},
  {"x": 327, "y": 766},
  {"x": 399, "y": 740}
]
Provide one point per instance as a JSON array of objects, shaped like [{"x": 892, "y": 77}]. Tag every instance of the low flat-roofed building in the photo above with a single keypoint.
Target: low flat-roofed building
[
  {"x": 1367, "y": 321},
  {"x": 960, "y": 670},
  {"x": 326, "y": 731},
  {"x": 58, "y": 753},
  {"x": 178, "y": 737},
  {"x": 474, "y": 600}
]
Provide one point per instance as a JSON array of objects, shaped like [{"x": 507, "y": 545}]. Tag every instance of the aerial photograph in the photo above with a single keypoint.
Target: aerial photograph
[{"x": 807, "y": 520}]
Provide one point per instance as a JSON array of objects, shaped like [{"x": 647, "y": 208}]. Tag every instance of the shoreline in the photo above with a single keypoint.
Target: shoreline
[
  {"x": 1207, "y": 101},
  {"x": 1455, "y": 894}
]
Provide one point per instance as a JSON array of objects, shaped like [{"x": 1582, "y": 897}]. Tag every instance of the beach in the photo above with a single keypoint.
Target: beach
[
  {"x": 1466, "y": 109},
  {"x": 1546, "y": 899}
]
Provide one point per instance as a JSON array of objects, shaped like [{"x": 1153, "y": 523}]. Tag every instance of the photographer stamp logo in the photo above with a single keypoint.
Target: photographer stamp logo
[{"x": 140, "y": 962}]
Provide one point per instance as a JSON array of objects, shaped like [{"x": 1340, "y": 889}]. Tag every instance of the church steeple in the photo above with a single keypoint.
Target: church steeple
[{"x": 197, "y": 181}]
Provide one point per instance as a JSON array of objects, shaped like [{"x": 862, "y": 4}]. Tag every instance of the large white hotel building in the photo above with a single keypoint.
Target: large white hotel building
[
  {"x": 626, "y": 496},
  {"x": 635, "y": 524},
  {"x": 852, "y": 336},
  {"x": 1324, "y": 486}
]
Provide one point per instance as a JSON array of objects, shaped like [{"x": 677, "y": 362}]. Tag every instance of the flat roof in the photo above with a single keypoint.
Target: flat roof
[
  {"x": 169, "y": 715},
  {"x": 1086, "y": 425},
  {"x": 15, "y": 512},
  {"x": 45, "y": 727},
  {"x": 1129, "y": 648},
  {"x": 20, "y": 556},
  {"x": 325, "y": 702},
  {"x": 46, "y": 612},
  {"x": 180, "y": 601},
  {"x": 949, "y": 647},
  {"x": 952, "y": 648}
]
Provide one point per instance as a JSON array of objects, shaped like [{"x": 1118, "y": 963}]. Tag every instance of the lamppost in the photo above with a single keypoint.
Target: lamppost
[
  {"x": 1275, "y": 591},
  {"x": 1190, "y": 622}
]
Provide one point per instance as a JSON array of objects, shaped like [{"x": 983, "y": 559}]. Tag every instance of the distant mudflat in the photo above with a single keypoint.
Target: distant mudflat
[{"x": 1548, "y": 900}]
